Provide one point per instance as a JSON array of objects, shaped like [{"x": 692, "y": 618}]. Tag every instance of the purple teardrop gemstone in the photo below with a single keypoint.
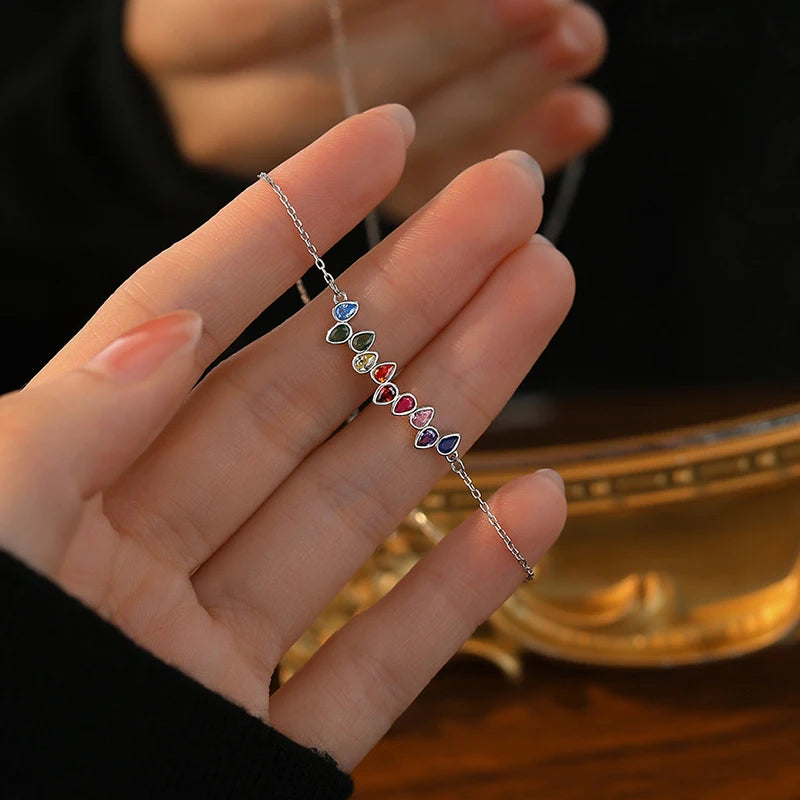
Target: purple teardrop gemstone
[{"x": 426, "y": 438}]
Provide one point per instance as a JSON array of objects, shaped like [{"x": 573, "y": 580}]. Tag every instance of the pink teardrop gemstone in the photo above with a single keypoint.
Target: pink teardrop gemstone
[
  {"x": 385, "y": 394},
  {"x": 404, "y": 404},
  {"x": 421, "y": 417}
]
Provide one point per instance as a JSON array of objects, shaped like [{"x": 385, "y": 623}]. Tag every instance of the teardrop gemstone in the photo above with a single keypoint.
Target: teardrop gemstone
[
  {"x": 448, "y": 444},
  {"x": 421, "y": 417},
  {"x": 364, "y": 362},
  {"x": 385, "y": 394},
  {"x": 384, "y": 372},
  {"x": 345, "y": 310},
  {"x": 426, "y": 438},
  {"x": 339, "y": 333},
  {"x": 404, "y": 404},
  {"x": 362, "y": 341}
]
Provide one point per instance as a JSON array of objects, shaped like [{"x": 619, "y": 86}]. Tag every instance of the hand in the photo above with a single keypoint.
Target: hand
[
  {"x": 212, "y": 524},
  {"x": 245, "y": 83}
]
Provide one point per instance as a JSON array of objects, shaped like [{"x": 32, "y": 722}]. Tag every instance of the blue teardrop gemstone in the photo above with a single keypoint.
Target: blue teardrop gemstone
[
  {"x": 447, "y": 444},
  {"x": 345, "y": 310}
]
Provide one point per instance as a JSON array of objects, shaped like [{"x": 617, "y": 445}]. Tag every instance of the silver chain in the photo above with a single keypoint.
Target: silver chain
[
  {"x": 457, "y": 465},
  {"x": 338, "y": 295}
]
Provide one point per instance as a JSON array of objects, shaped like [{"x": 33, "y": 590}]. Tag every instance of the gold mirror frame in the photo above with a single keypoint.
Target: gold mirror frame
[{"x": 681, "y": 546}]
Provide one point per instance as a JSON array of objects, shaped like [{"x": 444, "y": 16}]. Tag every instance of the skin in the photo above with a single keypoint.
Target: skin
[
  {"x": 245, "y": 83},
  {"x": 212, "y": 524}
]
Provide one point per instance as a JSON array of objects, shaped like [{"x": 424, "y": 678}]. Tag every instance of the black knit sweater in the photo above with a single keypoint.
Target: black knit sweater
[{"x": 86, "y": 713}]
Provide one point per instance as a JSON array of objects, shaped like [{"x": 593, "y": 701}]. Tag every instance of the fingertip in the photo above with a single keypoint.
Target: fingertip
[
  {"x": 567, "y": 122},
  {"x": 528, "y": 163},
  {"x": 533, "y": 510},
  {"x": 591, "y": 116},
  {"x": 556, "y": 270},
  {"x": 553, "y": 477},
  {"x": 577, "y": 43},
  {"x": 401, "y": 116},
  {"x": 537, "y": 238}
]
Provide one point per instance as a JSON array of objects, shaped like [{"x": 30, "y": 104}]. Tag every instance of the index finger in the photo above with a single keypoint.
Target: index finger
[{"x": 244, "y": 257}]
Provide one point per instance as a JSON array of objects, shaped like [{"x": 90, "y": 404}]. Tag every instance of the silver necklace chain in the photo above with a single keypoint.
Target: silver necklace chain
[
  {"x": 338, "y": 294},
  {"x": 453, "y": 459}
]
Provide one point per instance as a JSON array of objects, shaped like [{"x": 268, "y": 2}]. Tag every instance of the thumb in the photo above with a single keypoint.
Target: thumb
[{"x": 64, "y": 441}]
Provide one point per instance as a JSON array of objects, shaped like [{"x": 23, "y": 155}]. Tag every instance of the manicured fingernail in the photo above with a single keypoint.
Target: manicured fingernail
[
  {"x": 141, "y": 351},
  {"x": 537, "y": 238},
  {"x": 553, "y": 476},
  {"x": 403, "y": 117},
  {"x": 528, "y": 162}
]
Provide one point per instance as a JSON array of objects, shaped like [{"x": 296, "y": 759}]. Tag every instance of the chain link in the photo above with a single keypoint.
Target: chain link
[
  {"x": 457, "y": 465},
  {"x": 338, "y": 295}
]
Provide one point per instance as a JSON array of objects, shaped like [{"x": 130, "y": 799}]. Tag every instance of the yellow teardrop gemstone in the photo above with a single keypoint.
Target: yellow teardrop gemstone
[{"x": 364, "y": 362}]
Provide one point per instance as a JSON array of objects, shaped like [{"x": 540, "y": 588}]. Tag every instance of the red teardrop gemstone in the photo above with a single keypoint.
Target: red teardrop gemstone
[
  {"x": 405, "y": 404},
  {"x": 385, "y": 394},
  {"x": 383, "y": 372}
]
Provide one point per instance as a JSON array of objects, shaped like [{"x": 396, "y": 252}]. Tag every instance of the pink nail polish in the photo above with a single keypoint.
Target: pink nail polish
[{"x": 141, "y": 351}]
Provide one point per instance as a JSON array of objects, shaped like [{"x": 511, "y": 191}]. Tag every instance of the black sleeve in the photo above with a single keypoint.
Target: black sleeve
[{"x": 85, "y": 712}]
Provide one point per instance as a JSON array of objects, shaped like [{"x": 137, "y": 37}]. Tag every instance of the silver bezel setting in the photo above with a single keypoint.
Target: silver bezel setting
[
  {"x": 379, "y": 388},
  {"x": 349, "y": 316},
  {"x": 452, "y": 449},
  {"x": 419, "y": 435},
  {"x": 333, "y": 327},
  {"x": 362, "y": 354},
  {"x": 398, "y": 399},
  {"x": 392, "y": 364},
  {"x": 430, "y": 419},
  {"x": 363, "y": 350}
]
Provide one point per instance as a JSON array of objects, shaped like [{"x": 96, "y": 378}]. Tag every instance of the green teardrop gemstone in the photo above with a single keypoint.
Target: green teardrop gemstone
[
  {"x": 339, "y": 333},
  {"x": 362, "y": 341}
]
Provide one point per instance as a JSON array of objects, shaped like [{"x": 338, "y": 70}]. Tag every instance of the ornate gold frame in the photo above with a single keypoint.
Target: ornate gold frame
[{"x": 681, "y": 546}]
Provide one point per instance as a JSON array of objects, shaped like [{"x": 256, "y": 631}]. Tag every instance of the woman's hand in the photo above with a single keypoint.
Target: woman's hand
[
  {"x": 212, "y": 524},
  {"x": 245, "y": 83}
]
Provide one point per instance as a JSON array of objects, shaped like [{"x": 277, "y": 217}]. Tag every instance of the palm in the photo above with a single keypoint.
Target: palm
[
  {"x": 241, "y": 515},
  {"x": 153, "y": 601}
]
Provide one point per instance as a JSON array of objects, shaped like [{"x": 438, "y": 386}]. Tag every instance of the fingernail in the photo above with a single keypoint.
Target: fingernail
[
  {"x": 528, "y": 162},
  {"x": 403, "y": 117},
  {"x": 553, "y": 476},
  {"x": 579, "y": 34},
  {"x": 141, "y": 351},
  {"x": 537, "y": 238}
]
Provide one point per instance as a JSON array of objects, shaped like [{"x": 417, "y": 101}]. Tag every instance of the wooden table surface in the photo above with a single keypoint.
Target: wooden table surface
[{"x": 714, "y": 732}]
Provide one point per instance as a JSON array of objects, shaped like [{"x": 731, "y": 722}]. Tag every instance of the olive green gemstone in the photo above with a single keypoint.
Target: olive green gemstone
[
  {"x": 362, "y": 341},
  {"x": 339, "y": 333},
  {"x": 364, "y": 362}
]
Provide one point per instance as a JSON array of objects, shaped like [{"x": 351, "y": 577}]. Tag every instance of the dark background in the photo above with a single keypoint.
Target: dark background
[{"x": 684, "y": 235}]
